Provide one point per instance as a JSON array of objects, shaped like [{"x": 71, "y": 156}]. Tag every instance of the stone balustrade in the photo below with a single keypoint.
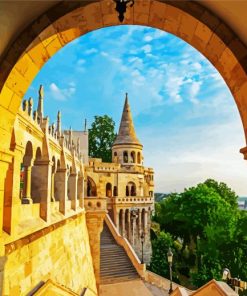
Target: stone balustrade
[{"x": 132, "y": 199}]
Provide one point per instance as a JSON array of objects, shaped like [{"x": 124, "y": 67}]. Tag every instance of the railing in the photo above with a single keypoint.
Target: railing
[
  {"x": 132, "y": 199},
  {"x": 140, "y": 268},
  {"x": 161, "y": 282}
]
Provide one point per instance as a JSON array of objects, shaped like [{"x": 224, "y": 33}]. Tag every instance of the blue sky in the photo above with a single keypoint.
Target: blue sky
[{"x": 184, "y": 114}]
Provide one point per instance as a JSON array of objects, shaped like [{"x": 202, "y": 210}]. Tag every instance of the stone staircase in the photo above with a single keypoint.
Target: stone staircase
[{"x": 115, "y": 265}]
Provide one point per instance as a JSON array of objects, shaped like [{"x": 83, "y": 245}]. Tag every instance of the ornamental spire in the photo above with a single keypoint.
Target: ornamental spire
[
  {"x": 41, "y": 103},
  {"x": 126, "y": 133}
]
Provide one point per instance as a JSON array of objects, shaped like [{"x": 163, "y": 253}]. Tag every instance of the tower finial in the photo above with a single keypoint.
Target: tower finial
[
  {"x": 85, "y": 125},
  {"x": 59, "y": 125},
  {"x": 40, "y": 110}
]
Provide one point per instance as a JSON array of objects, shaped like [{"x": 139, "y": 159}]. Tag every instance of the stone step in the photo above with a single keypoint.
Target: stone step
[{"x": 115, "y": 265}]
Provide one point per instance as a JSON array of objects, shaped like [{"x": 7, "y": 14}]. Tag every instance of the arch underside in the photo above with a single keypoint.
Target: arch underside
[{"x": 67, "y": 21}]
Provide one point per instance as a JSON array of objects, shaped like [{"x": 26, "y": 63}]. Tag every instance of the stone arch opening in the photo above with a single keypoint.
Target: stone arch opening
[
  {"x": 91, "y": 187},
  {"x": 41, "y": 40},
  {"x": 108, "y": 190},
  {"x": 125, "y": 157},
  {"x": 36, "y": 175},
  {"x": 133, "y": 156}
]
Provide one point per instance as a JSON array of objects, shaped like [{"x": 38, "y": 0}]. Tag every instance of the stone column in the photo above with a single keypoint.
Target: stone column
[
  {"x": 27, "y": 185},
  {"x": 52, "y": 186},
  {"x": 73, "y": 190},
  {"x": 5, "y": 160},
  {"x": 45, "y": 170},
  {"x": 117, "y": 220},
  {"x": 128, "y": 226},
  {"x": 123, "y": 223},
  {"x": 95, "y": 222},
  {"x": 12, "y": 200},
  {"x": 61, "y": 189},
  {"x": 80, "y": 191},
  {"x": 139, "y": 222}
]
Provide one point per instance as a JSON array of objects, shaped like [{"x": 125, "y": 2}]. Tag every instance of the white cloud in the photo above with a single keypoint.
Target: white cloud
[
  {"x": 104, "y": 54},
  {"x": 90, "y": 51},
  {"x": 61, "y": 94},
  {"x": 147, "y": 48},
  {"x": 194, "y": 89},
  {"x": 148, "y": 38}
]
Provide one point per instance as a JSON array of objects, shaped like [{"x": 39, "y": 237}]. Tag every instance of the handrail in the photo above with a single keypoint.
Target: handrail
[{"x": 140, "y": 268}]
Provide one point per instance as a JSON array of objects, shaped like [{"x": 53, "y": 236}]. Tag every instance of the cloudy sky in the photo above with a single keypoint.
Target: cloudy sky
[{"x": 184, "y": 114}]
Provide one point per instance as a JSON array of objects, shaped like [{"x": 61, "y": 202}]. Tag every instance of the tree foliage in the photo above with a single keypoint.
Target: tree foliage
[
  {"x": 101, "y": 138},
  {"x": 211, "y": 229}
]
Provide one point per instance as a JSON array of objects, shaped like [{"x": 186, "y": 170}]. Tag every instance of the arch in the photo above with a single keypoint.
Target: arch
[
  {"x": 188, "y": 20},
  {"x": 91, "y": 187},
  {"x": 125, "y": 157},
  {"x": 108, "y": 190},
  {"x": 192, "y": 22},
  {"x": 133, "y": 156},
  {"x": 131, "y": 189},
  {"x": 28, "y": 156},
  {"x": 38, "y": 154}
]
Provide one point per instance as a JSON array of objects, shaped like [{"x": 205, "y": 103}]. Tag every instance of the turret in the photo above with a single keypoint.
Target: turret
[{"x": 127, "y": 149}]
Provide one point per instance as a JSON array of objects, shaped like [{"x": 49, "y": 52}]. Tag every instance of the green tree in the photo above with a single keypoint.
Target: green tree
[
  {"x": 224, "y": 191},
  {"x": 101, "y": 138},
  {"x": 210, "y": 227},
  {"x": 159, "y": 263}
]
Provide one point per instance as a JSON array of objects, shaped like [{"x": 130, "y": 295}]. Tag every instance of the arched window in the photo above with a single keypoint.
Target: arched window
[
  {"x": 125, "y": 157},
  {"x": 108, "y": 190},
  {"x": 131, "y": 189},
  {"x": 151, "y": 193},
  {"x": 91, "y": 187},
  {"x": 133, "y": 156},
  {"x": 115, "y": 193},
  {"x": 115, "y": 153},
  {"x": 139, "y": 157}
]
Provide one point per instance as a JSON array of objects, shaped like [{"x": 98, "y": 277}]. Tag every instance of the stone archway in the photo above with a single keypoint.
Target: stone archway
[{"x": 66, "y": 21}]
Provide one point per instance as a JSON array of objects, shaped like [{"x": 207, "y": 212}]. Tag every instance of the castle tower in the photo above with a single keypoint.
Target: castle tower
[{"x": 127, "y": 149}]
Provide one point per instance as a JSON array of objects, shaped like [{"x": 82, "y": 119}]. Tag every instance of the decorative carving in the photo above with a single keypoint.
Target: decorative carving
[{"x": 121, "y": 6}]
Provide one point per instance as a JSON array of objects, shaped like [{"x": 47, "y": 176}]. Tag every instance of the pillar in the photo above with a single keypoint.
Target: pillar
[
  {"x": 12, "y": 203},
  {"x": 117, "y": 220},
  {"x": 123, "y": 223},
  {"x": 5, "y": 161},
  {"x": 45, "y": 171},
  {"x": 27, "y": 185},
  {"x": 73, "y": 190},
  {"x": 128, "y": 226},
  {"x": 61, "y": 189},
  {"x": 53, "y": 186}
]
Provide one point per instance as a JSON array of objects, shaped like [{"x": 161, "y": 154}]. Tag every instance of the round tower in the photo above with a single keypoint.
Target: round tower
[{"x": 127, "y": 149}]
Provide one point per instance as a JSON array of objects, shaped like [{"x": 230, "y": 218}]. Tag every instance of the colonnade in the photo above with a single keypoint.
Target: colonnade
[{"x": 132, "y": 224}]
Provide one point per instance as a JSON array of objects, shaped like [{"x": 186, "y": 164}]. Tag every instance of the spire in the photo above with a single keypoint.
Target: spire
[
  {"x": 40, "y": 104},
  {"x": 126, "y": 133},
  {"x": 59, "y": 126}
]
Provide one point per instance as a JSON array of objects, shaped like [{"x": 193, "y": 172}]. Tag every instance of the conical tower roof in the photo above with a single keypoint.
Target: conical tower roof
[{"x": 126, "y": 133}]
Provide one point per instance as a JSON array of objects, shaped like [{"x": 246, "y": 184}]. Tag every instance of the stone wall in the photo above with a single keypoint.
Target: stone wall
[{"x": 60, "y": 252}]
